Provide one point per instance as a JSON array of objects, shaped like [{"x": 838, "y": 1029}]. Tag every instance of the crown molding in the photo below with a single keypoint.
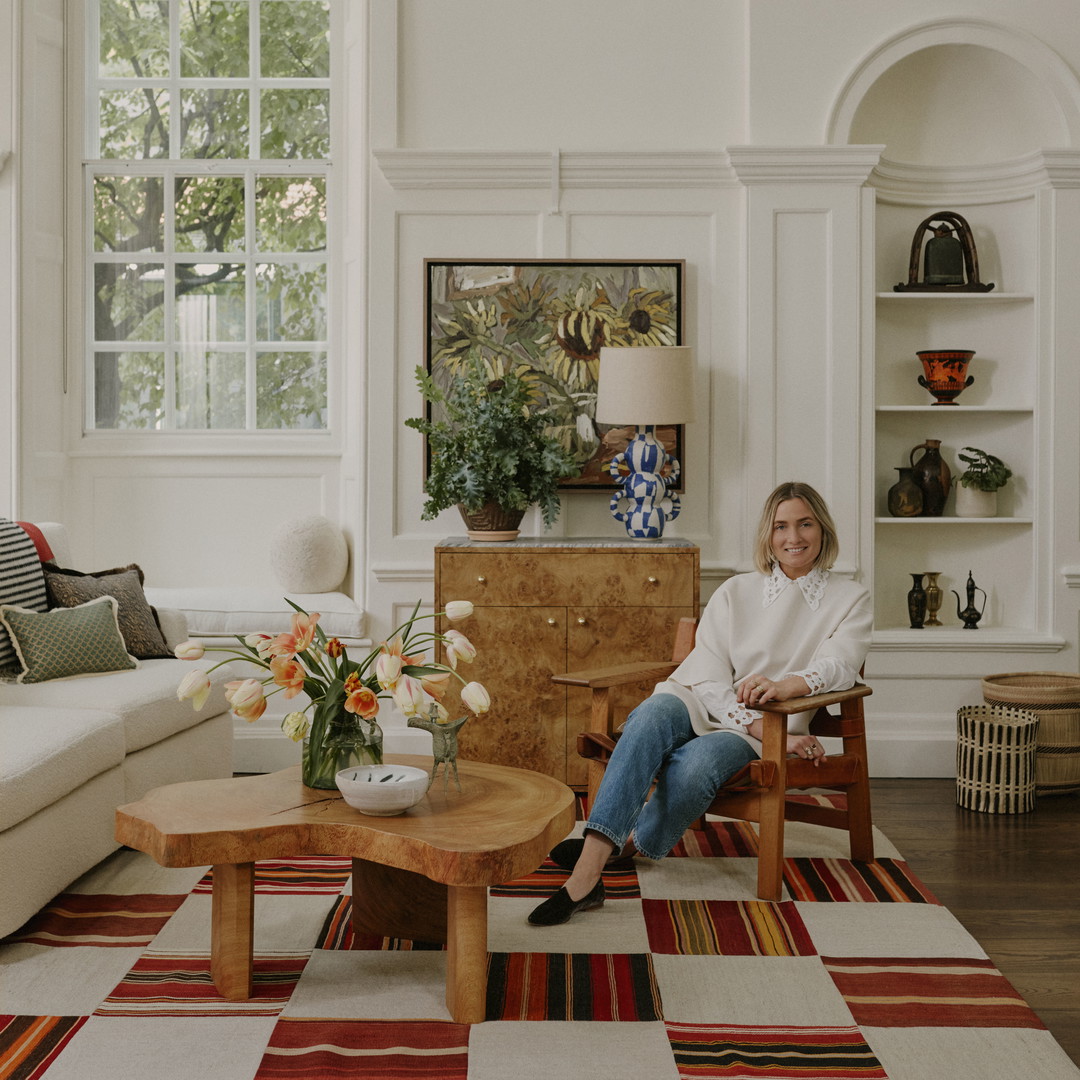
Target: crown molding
[
  {"x": 804, "y": 164},
  {"x": 461, "y": 169},
  {"x": 926, "y": 185}
]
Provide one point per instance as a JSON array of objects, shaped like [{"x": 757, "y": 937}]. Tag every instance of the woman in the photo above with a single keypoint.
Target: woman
[{"x": 788, "y": 630}]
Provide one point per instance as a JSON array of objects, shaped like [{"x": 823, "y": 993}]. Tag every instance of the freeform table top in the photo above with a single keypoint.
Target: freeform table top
[{"x": 498, "y": 827}]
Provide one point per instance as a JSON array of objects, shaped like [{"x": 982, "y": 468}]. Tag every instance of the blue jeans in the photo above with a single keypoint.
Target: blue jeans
[{"x": 658, "y": 742}]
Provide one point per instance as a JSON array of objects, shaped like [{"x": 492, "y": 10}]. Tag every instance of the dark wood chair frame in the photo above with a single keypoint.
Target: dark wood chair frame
[{"x": 760, "y": 791}]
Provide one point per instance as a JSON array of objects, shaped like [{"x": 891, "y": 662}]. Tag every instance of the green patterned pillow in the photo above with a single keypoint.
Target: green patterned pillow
[{"x": 64, "y": 642}]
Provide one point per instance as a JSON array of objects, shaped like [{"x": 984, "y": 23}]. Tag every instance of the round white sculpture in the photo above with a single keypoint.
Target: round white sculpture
[{"x": 309, "y": 555}]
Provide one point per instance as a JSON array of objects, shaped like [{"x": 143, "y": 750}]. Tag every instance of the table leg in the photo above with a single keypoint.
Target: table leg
[
  {"x": 466, "y": 957},
  {"x": 232, "y": 930}
]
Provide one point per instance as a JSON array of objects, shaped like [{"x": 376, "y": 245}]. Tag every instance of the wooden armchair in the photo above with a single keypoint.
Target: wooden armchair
[{"x": 759, "y": 792}]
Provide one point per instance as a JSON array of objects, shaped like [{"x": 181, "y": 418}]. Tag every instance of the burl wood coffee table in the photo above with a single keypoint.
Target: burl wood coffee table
[{"x": 423, "y": 875}]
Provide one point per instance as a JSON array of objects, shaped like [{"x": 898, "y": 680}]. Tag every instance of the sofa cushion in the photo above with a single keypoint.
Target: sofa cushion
[
  {"x": 226, "y": 611},
  {"x": 65, "y": 642},
  {"x": 145, "y": 699},
  {"x": 45, "y": 753},
  {"x": 22, "y": 583},
  {"x": 68, "y": 588}
]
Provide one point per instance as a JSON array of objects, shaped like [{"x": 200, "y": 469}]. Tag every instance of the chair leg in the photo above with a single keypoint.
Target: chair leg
[{"x": 771, "y": 811}]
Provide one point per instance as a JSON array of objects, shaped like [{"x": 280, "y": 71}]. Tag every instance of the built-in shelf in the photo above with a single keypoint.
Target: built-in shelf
[
  {"x": 946, "y": 520},
  {"x": 957, "y": 639},
  {"x": 955, "y": 297},
  {"x": 957, "y": 410}
]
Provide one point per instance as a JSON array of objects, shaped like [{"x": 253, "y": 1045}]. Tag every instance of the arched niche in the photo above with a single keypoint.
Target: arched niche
[{"x": 959, "y": 92}]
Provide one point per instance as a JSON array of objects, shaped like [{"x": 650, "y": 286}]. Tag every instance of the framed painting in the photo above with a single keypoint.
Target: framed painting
[{"x": 548, "y": 321}]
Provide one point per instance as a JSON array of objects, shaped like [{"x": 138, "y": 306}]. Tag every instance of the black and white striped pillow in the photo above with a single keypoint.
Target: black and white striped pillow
[{"x": 22, "y": 581}]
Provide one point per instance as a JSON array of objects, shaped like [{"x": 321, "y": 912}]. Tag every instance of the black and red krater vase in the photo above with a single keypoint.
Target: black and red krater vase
[{"x": 945, "y": 373}]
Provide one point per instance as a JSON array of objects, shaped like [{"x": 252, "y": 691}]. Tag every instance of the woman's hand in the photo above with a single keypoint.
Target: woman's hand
[
  {"x": 755, "y": 690},
  {"x": 806, "y": 746}
]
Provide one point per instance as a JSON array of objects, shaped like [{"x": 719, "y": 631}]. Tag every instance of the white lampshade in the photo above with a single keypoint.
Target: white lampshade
[{"x": 645, "y": 385}]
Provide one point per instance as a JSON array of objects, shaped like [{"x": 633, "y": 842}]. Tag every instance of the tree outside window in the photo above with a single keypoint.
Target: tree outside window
[{"x": 208, "y": 201}]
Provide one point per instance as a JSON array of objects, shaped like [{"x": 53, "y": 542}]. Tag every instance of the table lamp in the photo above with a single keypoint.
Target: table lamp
[{"x": 645, "y": 386}]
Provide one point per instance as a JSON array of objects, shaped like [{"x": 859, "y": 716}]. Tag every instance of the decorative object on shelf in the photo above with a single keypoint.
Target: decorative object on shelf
[
  {"x": 932, "y": 475},
  {"x": 905, "y": 497},
  {"x": 493, "y": 454},
  {"x": 950, "y": 261},
  {"x": 382, "y": 790},
  {"x": 645, "y": 386},
  {"x": 343, "y": 694},
  {"x": 547, "y": 319},
  {"x": 916, "y": 602},
  {"x": 944, "y": 372},
  {"x": 934, "y": 596},
  {"x": 978, "y": 485},
  {"x": 444, "y": 744},
  {"x": 971, "y": 615}
]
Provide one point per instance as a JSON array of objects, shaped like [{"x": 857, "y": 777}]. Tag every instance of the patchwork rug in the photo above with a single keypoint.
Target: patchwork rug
[{"x": 858, "y": 972}]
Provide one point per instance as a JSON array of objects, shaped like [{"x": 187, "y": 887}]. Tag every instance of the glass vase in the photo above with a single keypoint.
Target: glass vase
[{"x": 338, "y": 740}]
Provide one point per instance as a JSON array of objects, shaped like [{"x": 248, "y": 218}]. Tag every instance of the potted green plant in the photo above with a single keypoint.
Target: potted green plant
[
  {"x": 491, "y": 454},
  {"x": 977, "y": 486}
]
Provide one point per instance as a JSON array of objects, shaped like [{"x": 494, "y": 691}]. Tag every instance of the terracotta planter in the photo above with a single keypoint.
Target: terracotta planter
[
  {"x": 491, "y": 522},
  {"x": 945, "y": 373}
]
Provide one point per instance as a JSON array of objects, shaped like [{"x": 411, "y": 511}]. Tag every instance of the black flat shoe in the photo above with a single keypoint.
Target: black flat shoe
[
  {"x": 566, "y": 854},
  {"x": 558, "y": 908}
]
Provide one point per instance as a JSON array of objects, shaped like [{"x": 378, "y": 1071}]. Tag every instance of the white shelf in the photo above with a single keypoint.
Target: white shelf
[
  {"x": 944, "y": 520},
  {"x": 956, "y": 639},
  {"x": 954, "y": 297},
  {"x": 955, "y": 410}
]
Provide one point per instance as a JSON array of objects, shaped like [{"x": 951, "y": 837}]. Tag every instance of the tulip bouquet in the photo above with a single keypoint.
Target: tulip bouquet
[{"x": 344, "y": 693}]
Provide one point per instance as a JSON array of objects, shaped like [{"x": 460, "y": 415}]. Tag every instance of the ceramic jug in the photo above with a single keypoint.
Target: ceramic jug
[{"x": 932, "y": 475}]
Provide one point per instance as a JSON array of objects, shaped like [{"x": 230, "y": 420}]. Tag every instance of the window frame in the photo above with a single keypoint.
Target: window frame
[{"x": 168, "y": 168}]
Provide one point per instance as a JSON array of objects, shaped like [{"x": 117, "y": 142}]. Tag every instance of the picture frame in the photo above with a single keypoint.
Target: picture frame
[{"x": 548, "y": 319}]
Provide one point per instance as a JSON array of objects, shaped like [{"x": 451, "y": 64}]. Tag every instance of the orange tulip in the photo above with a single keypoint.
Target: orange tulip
[
  {"x": 363, "y": 702},
  {"x": 289, "y": 674},
  {"x": 436, "y": 684}
]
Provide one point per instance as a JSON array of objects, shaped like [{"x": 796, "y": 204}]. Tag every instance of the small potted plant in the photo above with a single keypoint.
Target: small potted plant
[
  {"x": 977, "y": 486},
  {"x": 491, "y": 455}
]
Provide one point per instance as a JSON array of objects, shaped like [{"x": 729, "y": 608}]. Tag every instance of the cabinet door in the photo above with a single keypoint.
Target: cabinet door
[
  {"x": 518, "y": 649},
  {"x": 603, "y": 637}
]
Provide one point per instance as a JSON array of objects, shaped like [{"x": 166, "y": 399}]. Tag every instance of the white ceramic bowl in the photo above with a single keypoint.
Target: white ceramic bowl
[{"x": 382, "y": 790}]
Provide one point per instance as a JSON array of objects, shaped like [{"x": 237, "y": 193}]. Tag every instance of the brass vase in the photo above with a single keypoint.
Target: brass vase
[{"x": 934, "y": 596}]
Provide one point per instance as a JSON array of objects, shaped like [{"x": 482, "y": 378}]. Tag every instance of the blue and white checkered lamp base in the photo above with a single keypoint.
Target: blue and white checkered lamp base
[{"x": 644, "y": 504}]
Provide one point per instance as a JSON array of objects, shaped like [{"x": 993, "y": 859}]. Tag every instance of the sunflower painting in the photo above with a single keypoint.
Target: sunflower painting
[{"x": 548, "y": 321}]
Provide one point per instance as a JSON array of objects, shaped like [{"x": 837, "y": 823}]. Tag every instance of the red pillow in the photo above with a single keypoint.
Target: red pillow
[{"x": 44, "y": 551}]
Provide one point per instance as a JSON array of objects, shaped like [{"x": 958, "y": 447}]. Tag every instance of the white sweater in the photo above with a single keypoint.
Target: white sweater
[{"x": 817, "y": 626}]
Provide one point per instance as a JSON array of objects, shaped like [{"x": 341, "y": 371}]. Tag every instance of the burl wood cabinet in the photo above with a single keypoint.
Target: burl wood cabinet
[{"x": 544, "y": 606}]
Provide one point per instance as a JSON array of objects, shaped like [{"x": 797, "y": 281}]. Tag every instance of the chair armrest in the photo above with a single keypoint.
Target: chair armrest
[
  {"x": 816, "y": 701},
  {"x": 618, "y": 675}
]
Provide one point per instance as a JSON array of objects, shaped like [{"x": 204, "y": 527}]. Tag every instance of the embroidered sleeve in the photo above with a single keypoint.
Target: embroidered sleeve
[{"x": 827, "y": 673}]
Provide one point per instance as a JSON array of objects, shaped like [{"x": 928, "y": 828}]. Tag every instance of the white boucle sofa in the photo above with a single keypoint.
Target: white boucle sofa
[{"x": 73, "y": 750}]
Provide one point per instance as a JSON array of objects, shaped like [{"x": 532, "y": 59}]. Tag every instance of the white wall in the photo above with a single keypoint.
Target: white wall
[{"x": 658, "y": 121}]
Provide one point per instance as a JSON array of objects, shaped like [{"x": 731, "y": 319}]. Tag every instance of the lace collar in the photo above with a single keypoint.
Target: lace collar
[{"x": 811, "y": 585}]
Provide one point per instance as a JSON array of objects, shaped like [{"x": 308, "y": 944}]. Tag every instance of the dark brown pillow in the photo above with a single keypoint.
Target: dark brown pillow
[{"x": 138, "y": 622}]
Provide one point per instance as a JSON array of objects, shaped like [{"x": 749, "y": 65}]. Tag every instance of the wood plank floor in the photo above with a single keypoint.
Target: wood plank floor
[{"x": 1012, "y": 880}]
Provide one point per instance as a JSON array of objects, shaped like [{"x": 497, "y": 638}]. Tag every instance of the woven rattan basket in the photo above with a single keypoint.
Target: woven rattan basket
[
  {"x": 1054, "y": 696},
  {"x": 995, "y": 759}
]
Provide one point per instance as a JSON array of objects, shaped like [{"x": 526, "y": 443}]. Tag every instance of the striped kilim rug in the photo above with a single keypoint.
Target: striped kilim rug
[{"x": 857, "y": 973}]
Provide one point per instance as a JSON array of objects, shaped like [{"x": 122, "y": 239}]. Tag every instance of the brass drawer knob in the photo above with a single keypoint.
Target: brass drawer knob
[
  {"x": 582, "y": 621},
  {"x": 553, "y": 622},
  {"x": 481, "y": 580},
  {"x": 653, "y": 581}
]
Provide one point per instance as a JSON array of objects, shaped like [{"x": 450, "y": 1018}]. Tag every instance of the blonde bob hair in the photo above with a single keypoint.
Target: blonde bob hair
[{"x": 830, "y": 545}]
